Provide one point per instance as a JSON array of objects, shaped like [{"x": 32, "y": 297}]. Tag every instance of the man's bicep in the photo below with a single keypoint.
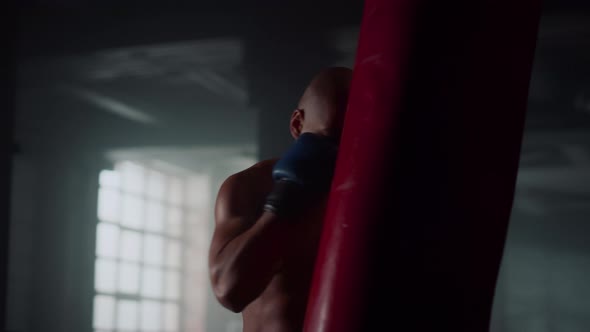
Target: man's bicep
[
  {"x": 236, "y": 199},
  {"x": 231, "y": 219}
]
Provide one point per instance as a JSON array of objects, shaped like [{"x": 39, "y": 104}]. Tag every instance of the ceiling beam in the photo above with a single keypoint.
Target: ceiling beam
[{"x": 81, "y": 29}]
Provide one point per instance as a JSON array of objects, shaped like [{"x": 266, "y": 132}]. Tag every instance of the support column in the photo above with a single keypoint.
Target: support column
[
  {"x": 64, "y": 240},
  {"x": 7, "y": 107}
]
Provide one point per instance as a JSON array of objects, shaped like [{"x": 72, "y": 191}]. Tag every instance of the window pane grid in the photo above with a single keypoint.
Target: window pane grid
[
  {"x": 132, "y": 199},
  {"x": 146, "y": 232},
  {"x": 147, "y": 197},
  {"x": 138, "y": 298},
  {"x": 127, "y": 216},
  {"x": 145, "y": 265}
]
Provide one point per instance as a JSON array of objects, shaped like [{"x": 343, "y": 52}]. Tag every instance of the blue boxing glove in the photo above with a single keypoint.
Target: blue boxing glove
[{"x": 305, "y": 170}]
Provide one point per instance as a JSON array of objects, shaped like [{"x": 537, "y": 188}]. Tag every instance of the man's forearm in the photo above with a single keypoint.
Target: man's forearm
[{"x": 247, "y": 263}]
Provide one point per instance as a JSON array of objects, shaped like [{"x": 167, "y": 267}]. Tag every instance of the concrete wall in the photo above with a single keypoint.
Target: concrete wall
[
  {"x": 543, "y": 284},
  {"x": 21, "y": 245},
  {"x": 52, "y": 243}
]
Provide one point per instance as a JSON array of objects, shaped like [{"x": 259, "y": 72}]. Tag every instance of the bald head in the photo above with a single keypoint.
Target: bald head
[{"x": 323, "y": 104}]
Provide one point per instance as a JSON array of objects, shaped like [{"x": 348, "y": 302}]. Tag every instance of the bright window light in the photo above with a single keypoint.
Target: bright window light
[
  {"x": 151, "y": 315},
  {"x": 104, "y": 312},
  {"x": 154, "y": 220},
  {"x": 130, "y": 246},
  {"x": 153, "y": 249},
  {"x": 132, "y": 211},
  {"x": 147, "y": 248},
  {"x": 128, "y": 278},
  {"x": 109, "y": 200},
  {"x": 132, "y": 177},
  {"x": 105, "y": 275},
  {"x": 127, "y": 315},
  {"x": 107, "y": 240},
  {"x": 152, "y": 282}
]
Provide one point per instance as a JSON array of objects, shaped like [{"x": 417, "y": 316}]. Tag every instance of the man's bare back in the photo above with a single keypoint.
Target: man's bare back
[{"x": 281, "y": 305}]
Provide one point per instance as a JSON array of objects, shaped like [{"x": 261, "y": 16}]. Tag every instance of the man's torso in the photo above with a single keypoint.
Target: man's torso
[{"x": 281, "y": 306}]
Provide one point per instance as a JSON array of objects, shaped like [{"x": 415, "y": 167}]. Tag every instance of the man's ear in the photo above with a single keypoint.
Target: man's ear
[{"x": 296, "y": 124}]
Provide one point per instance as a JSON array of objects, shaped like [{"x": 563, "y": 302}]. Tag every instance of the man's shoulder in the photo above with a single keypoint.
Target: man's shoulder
[
  {"x": 266, "y": 164},
  {"x": 260, "y": 169},
  {"x": 243, "y": 190},
  {"x": 256, "y": 174}
]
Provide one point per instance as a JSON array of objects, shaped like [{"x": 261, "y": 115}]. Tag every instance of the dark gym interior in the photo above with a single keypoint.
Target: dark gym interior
[{"x": 133, "y": 106}]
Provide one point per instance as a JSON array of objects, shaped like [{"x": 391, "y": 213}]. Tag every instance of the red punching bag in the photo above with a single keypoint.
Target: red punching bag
[{"x": 421, "y": 198}]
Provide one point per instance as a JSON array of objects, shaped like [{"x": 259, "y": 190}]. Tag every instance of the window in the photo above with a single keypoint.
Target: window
[{"x": 150, "y": 223}]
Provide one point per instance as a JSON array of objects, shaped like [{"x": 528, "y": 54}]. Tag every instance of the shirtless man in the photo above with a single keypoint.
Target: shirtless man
[{"x": 269, "y": 216}]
